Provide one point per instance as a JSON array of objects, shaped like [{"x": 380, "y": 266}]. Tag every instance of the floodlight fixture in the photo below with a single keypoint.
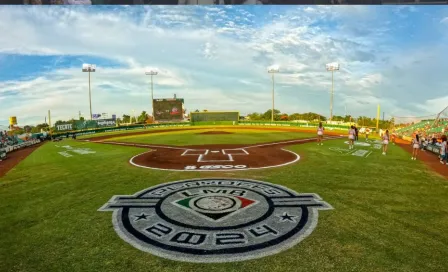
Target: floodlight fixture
[
  {"x": 334, "y": 66},
  {"x": 274, "y": 69}
]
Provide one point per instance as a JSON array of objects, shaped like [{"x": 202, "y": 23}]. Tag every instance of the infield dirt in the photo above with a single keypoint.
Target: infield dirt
[
  {"x": 208, "y": 157},
  {"x": 15, "y": 157}
]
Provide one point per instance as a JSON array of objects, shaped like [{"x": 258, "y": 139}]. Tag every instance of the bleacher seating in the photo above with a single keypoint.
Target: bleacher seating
[{"x": 425, "y": 127}]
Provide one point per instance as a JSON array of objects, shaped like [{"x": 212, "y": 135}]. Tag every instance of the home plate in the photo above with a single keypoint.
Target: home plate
[{"x": 214, "y": 151}]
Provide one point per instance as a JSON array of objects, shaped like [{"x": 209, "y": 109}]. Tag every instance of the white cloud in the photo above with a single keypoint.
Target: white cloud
[
  {"x": 214, "y": 58},
  {"x": 435, "y": 105}
]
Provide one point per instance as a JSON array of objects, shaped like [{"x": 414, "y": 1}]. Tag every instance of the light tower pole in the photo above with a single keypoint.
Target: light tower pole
[
  {"x": 89, "y": 68},
  {"x": 152, "y": 73},
  {"x": 334, "y": 66},
  {"x": 272, "y": 70}
]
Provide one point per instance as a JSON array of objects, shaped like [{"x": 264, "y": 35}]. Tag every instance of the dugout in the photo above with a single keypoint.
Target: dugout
[{"x": 214, "y": 118}]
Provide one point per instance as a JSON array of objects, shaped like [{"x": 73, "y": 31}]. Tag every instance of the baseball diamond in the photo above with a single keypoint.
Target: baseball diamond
[{"x": 212, "y": 157}]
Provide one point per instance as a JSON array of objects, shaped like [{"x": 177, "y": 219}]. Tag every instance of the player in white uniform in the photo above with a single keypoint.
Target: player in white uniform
[
  {"x": 385, "y": 141},
  {"x": 320, "y": 134},
  {"x": 415, "y": 146},
  {"x": 351, "y": 137}
]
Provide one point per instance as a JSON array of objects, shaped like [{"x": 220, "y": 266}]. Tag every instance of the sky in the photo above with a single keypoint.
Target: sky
[{"x": 216, "y": 58}]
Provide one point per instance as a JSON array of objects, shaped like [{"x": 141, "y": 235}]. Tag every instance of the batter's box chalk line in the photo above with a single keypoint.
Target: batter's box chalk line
[
  {"x": 225, "y": 158},
  {"x": 235, "y": 151},
  {"x": 195, "y": 152}
]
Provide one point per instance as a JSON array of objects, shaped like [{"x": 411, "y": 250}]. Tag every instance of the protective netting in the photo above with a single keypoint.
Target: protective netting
[{"x": 432, "y": 125}]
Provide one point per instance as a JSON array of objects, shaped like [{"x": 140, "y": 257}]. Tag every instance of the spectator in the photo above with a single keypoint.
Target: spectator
[{"x": 443, "y": 150}]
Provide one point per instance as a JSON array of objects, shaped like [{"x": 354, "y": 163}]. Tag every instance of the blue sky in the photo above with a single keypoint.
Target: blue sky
[{"x": 216, "y": 58}]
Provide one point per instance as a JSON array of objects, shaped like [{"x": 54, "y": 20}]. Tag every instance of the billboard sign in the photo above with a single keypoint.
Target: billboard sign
[
  {"x": 64, "y": 127},
  {"x": 12, "y": 120},
  {"x": 168, "y": 109},
  {"x": 106, "y": 123},
  {"x": 96, "y": 116}
]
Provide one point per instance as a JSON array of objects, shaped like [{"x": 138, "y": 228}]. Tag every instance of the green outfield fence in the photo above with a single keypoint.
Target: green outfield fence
[
  {"x": 200, "y": 123},
  {"x": 215, "y": 123},
  {"x": 290, "y": 124},
  {"x": 122, "y": 128},
  {"x": 214, "y": 117}
]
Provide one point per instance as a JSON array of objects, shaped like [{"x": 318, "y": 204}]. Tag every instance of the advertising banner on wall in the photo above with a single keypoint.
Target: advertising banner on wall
[
  {"x": 64, "y": 127},
  {"x": 87, "y": 124},
  {"x": 106, "y": 123}
]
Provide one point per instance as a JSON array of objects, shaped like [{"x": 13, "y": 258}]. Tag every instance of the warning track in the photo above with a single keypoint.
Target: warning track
[{"x": 227, "y": 157}]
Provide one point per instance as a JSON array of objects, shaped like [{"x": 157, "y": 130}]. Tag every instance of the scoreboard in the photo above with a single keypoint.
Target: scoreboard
[{"x": 169, "y": 109}]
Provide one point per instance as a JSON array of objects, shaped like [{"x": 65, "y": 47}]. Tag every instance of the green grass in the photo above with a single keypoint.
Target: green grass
[
  {"x": 208, "y": 128},
  {"x": 391, "y": 213},
  {"x": 192, "y": 137}
]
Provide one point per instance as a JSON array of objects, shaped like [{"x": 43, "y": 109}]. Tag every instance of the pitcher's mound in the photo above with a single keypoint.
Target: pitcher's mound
[{"x": 215, "y": 132}]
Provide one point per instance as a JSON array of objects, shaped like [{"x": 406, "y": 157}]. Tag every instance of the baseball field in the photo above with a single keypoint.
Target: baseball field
[{"x": 122, "y": 202}]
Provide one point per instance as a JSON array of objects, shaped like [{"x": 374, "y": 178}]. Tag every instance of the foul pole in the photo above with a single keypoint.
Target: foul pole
[{"x": 378, "y": 119}]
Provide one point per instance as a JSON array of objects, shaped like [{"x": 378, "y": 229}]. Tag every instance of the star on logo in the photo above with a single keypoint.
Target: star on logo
[
  {"x": 286, "y": 217},
  {"x": 140, "y": 217}
]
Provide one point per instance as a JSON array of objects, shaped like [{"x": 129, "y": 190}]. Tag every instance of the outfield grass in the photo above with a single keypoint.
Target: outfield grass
[
  {"x": 391, "y": 213},
  {"x": 254, "y": 129},
  {"x": 192, "y": 137}
]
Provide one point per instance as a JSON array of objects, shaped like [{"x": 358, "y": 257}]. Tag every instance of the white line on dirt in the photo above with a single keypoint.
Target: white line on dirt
[{"x": 185, "y": 148}]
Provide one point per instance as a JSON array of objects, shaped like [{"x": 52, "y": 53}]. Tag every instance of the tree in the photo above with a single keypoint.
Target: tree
[
  {"x": 81, "y": 118},
  {"x": 348, "y": 118},
  {"x": 268, "y": 115},
  {"x": 196, "y": 111},
  {"x": 142, "y": 117},
  {"x": 133, "y": 120},
  {"x": 295, "y": 116},
  {"x": 126, "y": 118},
  {"x": 39, "y": 128},
  {"x": 254, "y": 116}
]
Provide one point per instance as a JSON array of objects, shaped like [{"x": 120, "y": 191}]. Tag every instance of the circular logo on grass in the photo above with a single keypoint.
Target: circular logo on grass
[{"x": 214, "y": 220}]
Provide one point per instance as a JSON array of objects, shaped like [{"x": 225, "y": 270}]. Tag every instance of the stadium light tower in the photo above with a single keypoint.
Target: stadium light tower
[
  {"x": 152, "y": 73},
  {"x": 334, "y": 66},
  {"x": 89, "y": 68},
  {"x": 272, "y": 70}
]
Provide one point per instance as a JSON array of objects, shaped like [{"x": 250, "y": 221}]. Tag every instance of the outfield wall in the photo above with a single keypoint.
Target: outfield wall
[
  {"x": 213, "y": 117},
  {"x": 290, "y": 124},
  {"x": 214, "y": 123},
  {"x": 204, "y": 123},
  {"x": 112, "y": 129}
]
